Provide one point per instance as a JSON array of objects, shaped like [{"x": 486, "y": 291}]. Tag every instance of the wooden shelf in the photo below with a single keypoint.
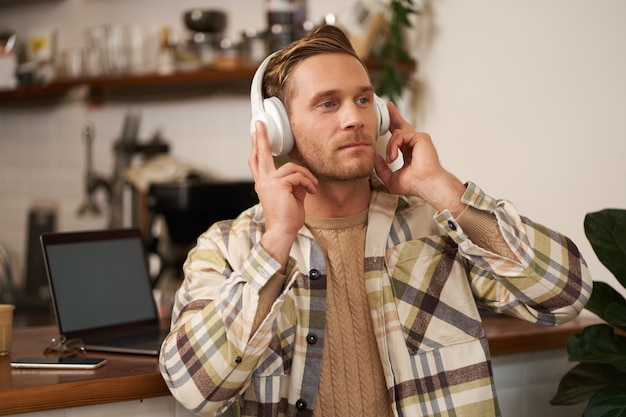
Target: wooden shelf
[
  {"x": 101, "y": 87},
  {"x": 192, "y": 82}
]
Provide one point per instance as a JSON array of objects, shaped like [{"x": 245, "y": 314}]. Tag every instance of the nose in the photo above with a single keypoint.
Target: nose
[{"x": 351, "y": 116}]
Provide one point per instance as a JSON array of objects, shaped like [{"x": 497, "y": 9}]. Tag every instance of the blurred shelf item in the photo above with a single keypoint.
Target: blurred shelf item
[
  {"x": 195, "y": 82},
  {"x": 3, "y": 2}
]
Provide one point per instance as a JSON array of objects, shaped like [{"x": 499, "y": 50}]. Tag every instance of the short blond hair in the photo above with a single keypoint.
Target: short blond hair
[{"x": 324, "y": 39}]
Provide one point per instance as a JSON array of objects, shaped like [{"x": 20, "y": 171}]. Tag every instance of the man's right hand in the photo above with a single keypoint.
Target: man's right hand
[{"x": 281, "y": 193}]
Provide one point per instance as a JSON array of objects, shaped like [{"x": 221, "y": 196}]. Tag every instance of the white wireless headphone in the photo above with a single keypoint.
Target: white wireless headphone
[{"x": 271, "y": 111}]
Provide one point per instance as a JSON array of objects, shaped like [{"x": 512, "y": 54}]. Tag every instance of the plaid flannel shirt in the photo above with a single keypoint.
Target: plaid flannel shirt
[{"x": 425, "y": 281}]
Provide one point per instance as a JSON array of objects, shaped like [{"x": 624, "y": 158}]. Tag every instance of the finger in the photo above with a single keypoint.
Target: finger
[
  {"x": 396, "y": 121},
  {"x": 296, "y": 180},
  {"x": 253, "y": 158},
  {"x": 396, "y": 144},
  {"x": 291, "y": 170},
  {"x": 405, "y": 140},
  {"x": 265, "y": 159},
  {"x": 382, "y": 170}
]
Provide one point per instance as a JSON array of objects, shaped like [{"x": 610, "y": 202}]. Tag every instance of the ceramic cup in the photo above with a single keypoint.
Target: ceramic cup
[{"x": 6, "y": 328}]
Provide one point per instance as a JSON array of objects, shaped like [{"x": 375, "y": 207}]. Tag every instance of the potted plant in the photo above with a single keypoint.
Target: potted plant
[
  {"x": 392, "y": 50},
  {"x": 600, "y": 350}
]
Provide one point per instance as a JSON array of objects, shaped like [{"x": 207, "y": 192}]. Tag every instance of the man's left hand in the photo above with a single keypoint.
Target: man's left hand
[{"x": 421, "y": 173}]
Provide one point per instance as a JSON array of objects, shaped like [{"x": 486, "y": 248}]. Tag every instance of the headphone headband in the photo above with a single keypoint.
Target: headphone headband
[{"x": 256, "y": 89}]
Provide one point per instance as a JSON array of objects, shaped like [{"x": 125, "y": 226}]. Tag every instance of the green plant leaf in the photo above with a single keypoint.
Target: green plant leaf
[
  {"x": 401, "y": 13},
  {"x": 402, "y": 9},
  {"x": 385, "y": 53},
  {"x": 583, "y": 380},
  {"x": 602, "y": 353},
  {"x": 602, "y": 296},
  {"x": 391, "y": 82},
  {"x": 606, "y": 232},
  {"x": 609, "y": 401},
  {"x": 616, "y": 315},
  {"x": 598, "y": 343},
  {"x": 404, "y": 56}
]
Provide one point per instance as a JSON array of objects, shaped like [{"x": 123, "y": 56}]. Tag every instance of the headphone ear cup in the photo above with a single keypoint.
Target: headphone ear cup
[
  {"x": 383, "y": 115},
  {"x": 273, "y": 135},
  {"x": 281, "y": 141}
]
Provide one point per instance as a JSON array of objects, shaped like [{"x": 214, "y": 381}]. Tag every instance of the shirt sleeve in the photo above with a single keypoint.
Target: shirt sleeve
[
  {"x": 547, "y": 282},
  {"x": 208, "y": 358}
]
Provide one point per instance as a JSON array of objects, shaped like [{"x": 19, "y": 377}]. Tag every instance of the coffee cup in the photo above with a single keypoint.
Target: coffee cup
[{"x": 6, "y": 328}]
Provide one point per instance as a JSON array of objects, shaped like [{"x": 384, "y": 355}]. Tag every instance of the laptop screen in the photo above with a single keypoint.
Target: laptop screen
[{"x": 98, "y": 279}]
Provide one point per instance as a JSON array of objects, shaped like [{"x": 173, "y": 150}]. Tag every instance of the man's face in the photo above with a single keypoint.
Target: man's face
[{"x": 333, "y": 117}]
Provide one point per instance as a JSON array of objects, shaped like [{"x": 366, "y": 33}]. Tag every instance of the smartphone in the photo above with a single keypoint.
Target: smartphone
[{"x": 58, "y": 363}]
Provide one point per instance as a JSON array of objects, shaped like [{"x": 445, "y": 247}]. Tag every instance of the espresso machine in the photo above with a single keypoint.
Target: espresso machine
[{"x": 184, "y": 210}]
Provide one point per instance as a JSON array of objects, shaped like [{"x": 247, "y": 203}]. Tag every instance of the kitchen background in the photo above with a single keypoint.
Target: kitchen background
[{"x": 525, "y": 98}]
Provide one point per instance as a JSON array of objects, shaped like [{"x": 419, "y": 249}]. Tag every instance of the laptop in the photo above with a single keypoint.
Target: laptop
[{"x": 102, "y": 291}]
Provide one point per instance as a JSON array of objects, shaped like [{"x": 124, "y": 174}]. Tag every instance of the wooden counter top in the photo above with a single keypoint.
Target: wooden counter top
[
  {"x": 124, "y": 377},
  {"x": 129, "y": 377}
]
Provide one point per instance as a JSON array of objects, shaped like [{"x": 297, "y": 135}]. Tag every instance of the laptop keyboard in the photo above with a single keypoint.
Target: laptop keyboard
[
  {"x": 137, "y": 340},
  {"x": 141, "y": 341}
]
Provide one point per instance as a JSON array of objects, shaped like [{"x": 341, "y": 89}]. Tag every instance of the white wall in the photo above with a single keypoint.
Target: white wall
[
  {"x": 524, "y": 98},
  {"x": 526, "y": 382},
  {"x": 527, "y": 99}
]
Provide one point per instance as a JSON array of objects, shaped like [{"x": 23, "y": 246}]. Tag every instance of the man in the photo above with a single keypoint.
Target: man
[{"x": 349, "y": 293}]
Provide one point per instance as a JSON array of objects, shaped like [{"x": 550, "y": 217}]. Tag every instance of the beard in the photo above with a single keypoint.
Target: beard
[{"x": 326, "y": 165}]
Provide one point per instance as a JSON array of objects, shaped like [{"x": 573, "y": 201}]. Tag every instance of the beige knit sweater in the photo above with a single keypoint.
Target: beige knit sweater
[{"x": 352, "y": 381}]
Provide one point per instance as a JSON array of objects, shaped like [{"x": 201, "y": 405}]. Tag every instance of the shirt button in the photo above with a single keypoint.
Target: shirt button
[
  {"x": 301, "y": 404},
  {"x": 311, "y": 338},
  {"x": 314, "y": 274},
  {"x": 451, "y": 225},
  {"x": 238, "y": 359}
]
